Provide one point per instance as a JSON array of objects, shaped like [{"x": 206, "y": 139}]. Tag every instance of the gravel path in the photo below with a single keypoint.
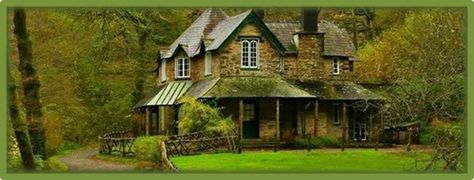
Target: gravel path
[{"x": 85, "y": 160}]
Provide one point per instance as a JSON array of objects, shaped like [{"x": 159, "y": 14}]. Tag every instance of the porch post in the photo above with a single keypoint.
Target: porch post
[
  {"x": 278, "y": 119},
  {"x": 344, "y": 125},
  {"x": 378, "y": 130},
  {"x": 147, "y": 121},
  {"x": 241, "y": 120},
  {"x": 316, "y": 107},
  {"x": 241, "y": 117},
  {"x": 277, "y": 138}
]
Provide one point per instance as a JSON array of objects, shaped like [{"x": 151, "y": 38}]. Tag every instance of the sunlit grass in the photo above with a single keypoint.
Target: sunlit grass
[{"x": 301, "y": 161}]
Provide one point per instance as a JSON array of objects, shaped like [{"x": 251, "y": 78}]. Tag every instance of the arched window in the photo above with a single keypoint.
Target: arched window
[{"x": 249, "y": 53}]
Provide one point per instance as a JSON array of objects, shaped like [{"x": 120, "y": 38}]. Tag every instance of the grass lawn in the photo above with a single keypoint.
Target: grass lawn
[{"x": 329, "y": 160}]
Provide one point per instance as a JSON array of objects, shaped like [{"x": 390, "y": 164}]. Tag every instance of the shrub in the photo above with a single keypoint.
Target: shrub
[
  {"x": 146, "y": 148},
  {"x": 55, "y": 164},
  {"x": 197, "y": 116},
  {"x": 67, "y": 146},
  {"x": 317, "y": 142}
]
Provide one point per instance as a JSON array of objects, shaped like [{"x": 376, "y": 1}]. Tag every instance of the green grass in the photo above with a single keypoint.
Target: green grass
[{"x": 302, "y": 161}]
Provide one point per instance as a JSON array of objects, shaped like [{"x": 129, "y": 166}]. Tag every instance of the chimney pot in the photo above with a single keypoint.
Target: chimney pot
[{"x": 309, "y": 20}]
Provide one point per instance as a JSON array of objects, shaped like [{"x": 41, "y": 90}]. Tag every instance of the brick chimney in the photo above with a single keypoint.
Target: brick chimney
[{"x": 309, "y": 43}]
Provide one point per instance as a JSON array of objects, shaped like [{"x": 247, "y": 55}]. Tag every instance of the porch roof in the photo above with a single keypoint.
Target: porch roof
[
  {"x": 339, "y": 90},
  {"x": 166, "y": 94},
  {"x": 255, "y": 87}
]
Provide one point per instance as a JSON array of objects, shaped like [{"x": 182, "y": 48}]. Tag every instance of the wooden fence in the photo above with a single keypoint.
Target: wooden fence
[
  {"x": 166, "y": 163},
  {"x": 117, "y": 141},
  {"x": 195, "y": 143}
]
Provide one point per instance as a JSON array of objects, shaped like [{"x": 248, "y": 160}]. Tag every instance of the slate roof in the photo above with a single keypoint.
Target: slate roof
[
  {"x": 339, "y": 90},
  {"x": 192, "y": 37},
  {"x": 336, "y": 40},
  {"x": 224, "y": 29},
  {"x": 255, "y": 87},
  {"x": 213, "y": 27}
]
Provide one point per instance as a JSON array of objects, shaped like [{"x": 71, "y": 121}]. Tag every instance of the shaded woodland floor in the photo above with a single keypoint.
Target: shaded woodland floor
[{"x": 85, "y": 160}]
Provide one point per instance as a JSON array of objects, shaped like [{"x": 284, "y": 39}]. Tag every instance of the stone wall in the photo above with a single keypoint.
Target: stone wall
[
  {"x": 230, "y": 55},
  {"x": 310, "y": 64},
  {"x": 267, "y": 117}
]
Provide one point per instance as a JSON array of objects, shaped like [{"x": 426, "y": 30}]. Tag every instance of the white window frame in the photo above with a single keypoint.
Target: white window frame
[
  {"x": 248, "y": 54},
  {"x": 336, "y": 115},
  {"x": 336, "y": 66},
  {"x": 181, "y": 69},
  {"x": 163, "y": 70},
  {"x": 208, "y": 63}
]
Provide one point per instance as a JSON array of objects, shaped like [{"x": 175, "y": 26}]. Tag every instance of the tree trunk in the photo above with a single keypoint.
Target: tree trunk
[
  {"x": 354, "y": 29},
  {"x": 140, "y": 75},
  {"x": 31, "y": 84},
  {"x": 21, "y": 130}
]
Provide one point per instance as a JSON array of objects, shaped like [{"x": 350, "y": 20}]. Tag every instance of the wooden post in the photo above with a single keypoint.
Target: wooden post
[
  {"x": 410, "y": 134},
  {"x": 162, "y": 119},
  {"x": 379, "y": 131},
  {"x": 147, "y": 121},
  {"x": 308, "y": 146},
  {"x": 344, "y": 125},
  {"x": 241, "y": 120},
  {"x": 316, "y": 119},
  {"x": 277, "y": 138}
]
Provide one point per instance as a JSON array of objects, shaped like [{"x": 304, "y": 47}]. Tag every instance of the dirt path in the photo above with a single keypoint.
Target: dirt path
[{"x": 85, "y": 160}]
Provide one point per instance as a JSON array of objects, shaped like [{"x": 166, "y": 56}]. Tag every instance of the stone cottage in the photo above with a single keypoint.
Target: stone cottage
[{"x": 275, "y": 79}]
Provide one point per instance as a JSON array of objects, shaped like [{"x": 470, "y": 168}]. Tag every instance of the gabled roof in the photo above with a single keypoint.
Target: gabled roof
[
  {"x": 336, "y": 40},
  {"x": 191, "y": 38},
  {"x": 213, "y": 28},
  {"x": 226, "y": 29}
]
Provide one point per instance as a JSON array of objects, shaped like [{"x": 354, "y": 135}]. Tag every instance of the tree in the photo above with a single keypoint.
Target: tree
[
  {"x": 20, "y": 129},
  {"x": 31, "y": 84}
]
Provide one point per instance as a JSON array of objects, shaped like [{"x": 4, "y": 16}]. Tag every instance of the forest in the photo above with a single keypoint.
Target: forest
[{"x": 75, "y": 73}]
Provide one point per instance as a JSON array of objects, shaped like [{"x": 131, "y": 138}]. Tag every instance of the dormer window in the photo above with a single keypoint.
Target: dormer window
[
  {"x": 249, "y": 53},
  {"x": 182, "y": 67},
  {"x": 336, "y": 66}
]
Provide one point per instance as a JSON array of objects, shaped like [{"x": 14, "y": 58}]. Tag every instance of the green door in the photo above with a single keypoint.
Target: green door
[{"x": 250, "y": 123}]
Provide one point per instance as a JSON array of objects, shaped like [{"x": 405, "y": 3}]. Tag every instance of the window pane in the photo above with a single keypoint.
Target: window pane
[
  {"x": 253, "y": 53},
  {"x": 186, "y": 67},
  {"x": 335, "y": 66},
  {"x": 249, "y": 112}
]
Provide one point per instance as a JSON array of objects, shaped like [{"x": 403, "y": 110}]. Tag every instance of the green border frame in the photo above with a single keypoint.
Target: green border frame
[{"x": 4, "y": 4}]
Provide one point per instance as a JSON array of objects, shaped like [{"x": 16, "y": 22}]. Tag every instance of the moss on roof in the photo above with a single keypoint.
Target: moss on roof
[
  {"x": 339, "y": 90},
  {"x": 247, "y": 87}
]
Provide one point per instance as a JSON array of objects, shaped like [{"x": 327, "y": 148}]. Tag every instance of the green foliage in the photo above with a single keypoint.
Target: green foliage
[
  {"x": 147, "y": 148},
  {"x": 55, "y": 164},
  {"x": 432, "y": 39},
  {"x": 424, "y": 59},
  {"x": 316, "y": 142},
  {"x": 66, "y": 146},
  {"x": 196, "y": 116},
  {"x": 449, "y": 142}
]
